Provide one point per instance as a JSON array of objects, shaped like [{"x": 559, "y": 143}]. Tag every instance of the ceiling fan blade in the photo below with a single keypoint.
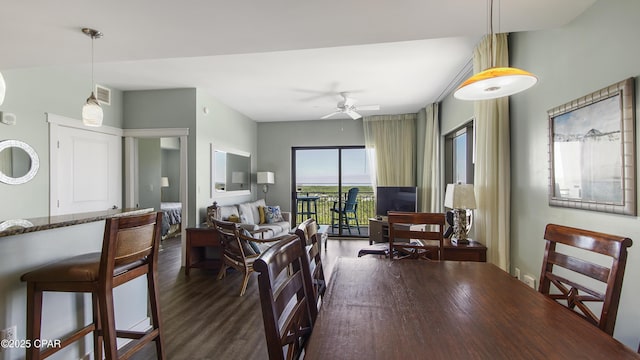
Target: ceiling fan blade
[
  {"x": 330, "y": 115},
  {"x": 354, "y": 115},
  {"x": 368, "y": 107}
]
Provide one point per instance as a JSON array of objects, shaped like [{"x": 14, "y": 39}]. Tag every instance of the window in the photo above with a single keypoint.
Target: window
[{"x": 458, "y": 152}]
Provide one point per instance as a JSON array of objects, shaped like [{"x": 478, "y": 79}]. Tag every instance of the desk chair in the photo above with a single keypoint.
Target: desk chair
[
  {"x": 572, "y": 294},
  {"x": 349, "y": 211},
  {"x": 416, "y": 235},
  {"x": 129, "y": 250},
  {"x": 287, "y": 298},
  {"x": 307, "y": 231}
]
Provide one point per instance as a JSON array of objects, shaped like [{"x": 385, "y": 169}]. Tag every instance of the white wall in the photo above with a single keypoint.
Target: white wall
[{"x": 599, "y": 48}]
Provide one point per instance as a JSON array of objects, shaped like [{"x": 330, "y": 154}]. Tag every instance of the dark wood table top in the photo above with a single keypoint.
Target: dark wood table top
[{"x": 382, "y": 309}]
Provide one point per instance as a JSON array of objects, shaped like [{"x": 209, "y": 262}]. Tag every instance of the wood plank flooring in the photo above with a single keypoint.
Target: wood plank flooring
[{"x": 204, "y": 318}]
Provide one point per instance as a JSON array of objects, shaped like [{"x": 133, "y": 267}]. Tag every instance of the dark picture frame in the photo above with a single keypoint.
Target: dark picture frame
[{"x": 592, "y": 151}]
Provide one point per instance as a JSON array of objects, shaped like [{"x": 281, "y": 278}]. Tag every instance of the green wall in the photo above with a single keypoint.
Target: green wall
[
  {"x": 30, "y": 94},
  {"x": 597, "y": 49}
]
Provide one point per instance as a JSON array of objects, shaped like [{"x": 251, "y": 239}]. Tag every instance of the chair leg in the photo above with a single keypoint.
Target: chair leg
[
  {"x": 355, "y": 216},
  {"x": 34, "y": 319},
  {"x": 97, "y": 333},
  {"x": 154, "y": 297},
  {"x": 245, "y": 281},
  {"x": 107, "y": 318},
  {"x": 222, "y": 272},
  {"x": 346, "y": 222}
]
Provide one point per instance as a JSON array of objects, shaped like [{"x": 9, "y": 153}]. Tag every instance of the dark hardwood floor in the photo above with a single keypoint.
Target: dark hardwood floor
[{"x": 204, "y": 318}]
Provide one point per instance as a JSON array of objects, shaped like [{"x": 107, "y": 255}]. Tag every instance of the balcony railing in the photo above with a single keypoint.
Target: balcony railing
[{"x": 366, "y": 206}]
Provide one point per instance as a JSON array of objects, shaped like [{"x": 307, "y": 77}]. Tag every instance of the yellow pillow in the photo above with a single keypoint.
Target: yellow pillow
[
  {"x": 263, "y": 218},
  {"x": 233, "y": 218}
]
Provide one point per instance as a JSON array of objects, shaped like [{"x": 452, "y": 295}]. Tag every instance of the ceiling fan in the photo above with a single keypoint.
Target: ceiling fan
[{"x": 348, "y": 106}]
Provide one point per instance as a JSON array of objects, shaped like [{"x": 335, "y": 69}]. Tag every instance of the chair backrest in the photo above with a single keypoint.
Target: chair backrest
[
  {"x": 307, "y": 231},
  {"x": 416, "y": 235},
  {"x": 234, "y": 250},
  {"x": 130, "y": 242},
  {"x": 351, "y": 202},
  {"x": 286, "y": 296},
  {"x": 573, "y": 294}
]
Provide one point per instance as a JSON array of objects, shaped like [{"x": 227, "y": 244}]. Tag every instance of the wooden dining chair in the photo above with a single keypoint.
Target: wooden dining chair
[
  {"x": 129, "y": 250},
  {"x": 287, "y": 298},
  {"x": 416, "y": 235},
  {"x": 307, "y": 231},
  {"x": 239, "y": 251},
  {"x": 569, "y": 290}
]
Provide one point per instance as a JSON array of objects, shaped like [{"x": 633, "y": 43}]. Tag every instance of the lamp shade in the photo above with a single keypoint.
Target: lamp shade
[
  {"x": 3, "y": 89},
  {"x": 92, "y": 112},
  {"x": 164, "y": 181},
  {"x": 494, "y": 83},
  {"x": 266, "y": 177},
  {"x": 459, "y": 196}
]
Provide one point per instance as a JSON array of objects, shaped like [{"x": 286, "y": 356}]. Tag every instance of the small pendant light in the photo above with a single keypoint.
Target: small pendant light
[
  {"x": 495, "y": 82},
  {"x": 91, "y": 111}
]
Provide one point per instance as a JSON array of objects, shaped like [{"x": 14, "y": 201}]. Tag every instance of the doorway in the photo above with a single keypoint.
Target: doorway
[{"x": 322, "y": 178}]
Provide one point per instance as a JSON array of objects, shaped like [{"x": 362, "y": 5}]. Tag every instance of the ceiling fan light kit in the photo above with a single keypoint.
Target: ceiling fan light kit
[
  {"x": 348, "y": 106},
  {"x": 495, "y": 82}
]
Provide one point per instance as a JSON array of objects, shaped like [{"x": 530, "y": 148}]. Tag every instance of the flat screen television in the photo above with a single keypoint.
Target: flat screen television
[{"x": 396, "y": 198}]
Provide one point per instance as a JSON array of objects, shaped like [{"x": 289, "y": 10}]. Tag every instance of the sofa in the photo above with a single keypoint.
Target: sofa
[{"x": 260, "y": 220}]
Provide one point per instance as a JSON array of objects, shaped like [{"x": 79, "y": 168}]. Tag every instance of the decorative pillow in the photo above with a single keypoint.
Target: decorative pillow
[
  {"x": 255, "y": 210},
  {"x": 263, "y": 217},
  {"x": 273, "y": 214},
  {"x": 227, "y": 211},
  {"x": 246, "y": 215},
  {"x": 249, "y": 247}
]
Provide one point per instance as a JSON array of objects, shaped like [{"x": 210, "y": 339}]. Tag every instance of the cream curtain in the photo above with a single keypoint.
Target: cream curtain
[
  {"x": 492, "y": 169},
  {"x": 391, "y": 141},
  {"x": 429, "y": 185}
]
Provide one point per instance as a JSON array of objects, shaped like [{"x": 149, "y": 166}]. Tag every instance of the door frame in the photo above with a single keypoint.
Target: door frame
[{"x": 131, "y": 137}]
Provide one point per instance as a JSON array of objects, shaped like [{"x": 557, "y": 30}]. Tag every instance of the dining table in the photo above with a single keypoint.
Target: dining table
[{"x": 410, "y": 309}]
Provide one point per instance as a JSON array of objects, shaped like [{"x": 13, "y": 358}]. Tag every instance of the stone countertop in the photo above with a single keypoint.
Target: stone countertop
[{"x": 21, "y": 226}]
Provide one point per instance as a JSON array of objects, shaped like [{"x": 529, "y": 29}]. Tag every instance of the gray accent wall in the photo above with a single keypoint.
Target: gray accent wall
[
  {"x": 597, "y": 49},
  {"x": 276, "y": 139}
]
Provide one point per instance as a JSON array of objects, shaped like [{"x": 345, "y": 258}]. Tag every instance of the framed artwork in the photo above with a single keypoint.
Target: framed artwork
[{"x": 592, "y": 151}]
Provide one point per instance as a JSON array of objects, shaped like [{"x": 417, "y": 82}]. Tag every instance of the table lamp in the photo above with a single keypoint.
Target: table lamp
[
  {"x": 265, "y": 178},
  {"x": 460, "y": 197}
]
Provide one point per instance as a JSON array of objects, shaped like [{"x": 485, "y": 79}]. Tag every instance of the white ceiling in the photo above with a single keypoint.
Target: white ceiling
[{"x": 272, "y": 60}]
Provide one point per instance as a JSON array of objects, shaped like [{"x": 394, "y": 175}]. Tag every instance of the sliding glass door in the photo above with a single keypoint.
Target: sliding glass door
[{"x": 332, "y": 185}]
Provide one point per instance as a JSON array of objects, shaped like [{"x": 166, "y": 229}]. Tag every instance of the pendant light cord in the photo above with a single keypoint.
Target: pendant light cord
[
  {"x": 92, "y": 79},
  {"x": 491, "y": 59}
]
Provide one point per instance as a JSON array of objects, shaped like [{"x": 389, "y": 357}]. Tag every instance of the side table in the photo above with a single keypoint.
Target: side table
[{"x": 198, "y": 239}]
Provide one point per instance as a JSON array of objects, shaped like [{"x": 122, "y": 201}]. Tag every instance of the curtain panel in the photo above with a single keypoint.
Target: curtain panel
[
  {"x": 492, "y": 180},
  {"x": 429, "y": 182},
  {"x": 391, "y": 141}
]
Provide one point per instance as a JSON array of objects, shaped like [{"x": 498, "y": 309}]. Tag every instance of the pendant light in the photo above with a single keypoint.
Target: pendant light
[
  {"x": 3, "y": 89},
  {"x": 495, "y": 82},
  {"x": 91, "y": 111}
]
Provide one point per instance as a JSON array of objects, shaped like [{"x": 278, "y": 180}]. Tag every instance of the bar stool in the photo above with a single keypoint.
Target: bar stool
[{"x": 129, "y": 250}]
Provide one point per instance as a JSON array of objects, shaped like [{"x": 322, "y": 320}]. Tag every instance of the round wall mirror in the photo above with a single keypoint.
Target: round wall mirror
[{"x": 19, "y": 162}]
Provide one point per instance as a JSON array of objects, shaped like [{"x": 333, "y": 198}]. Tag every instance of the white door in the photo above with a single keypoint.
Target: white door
[{"x": 86, "y": 170}]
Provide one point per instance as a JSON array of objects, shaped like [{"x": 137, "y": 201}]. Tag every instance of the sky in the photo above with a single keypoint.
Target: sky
[{"x": 320, "y": 167}]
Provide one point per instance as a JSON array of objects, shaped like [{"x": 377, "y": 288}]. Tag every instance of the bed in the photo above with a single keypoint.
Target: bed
[{"x": 171, "y": 218}]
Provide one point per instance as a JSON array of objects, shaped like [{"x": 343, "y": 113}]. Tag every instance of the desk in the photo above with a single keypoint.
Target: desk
[
  {"x": 382, "y": 309},
  {"x": 308, "y": 200},
  {"x": 474, "y": 251},
  {"x": 198, "y": 239}
]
